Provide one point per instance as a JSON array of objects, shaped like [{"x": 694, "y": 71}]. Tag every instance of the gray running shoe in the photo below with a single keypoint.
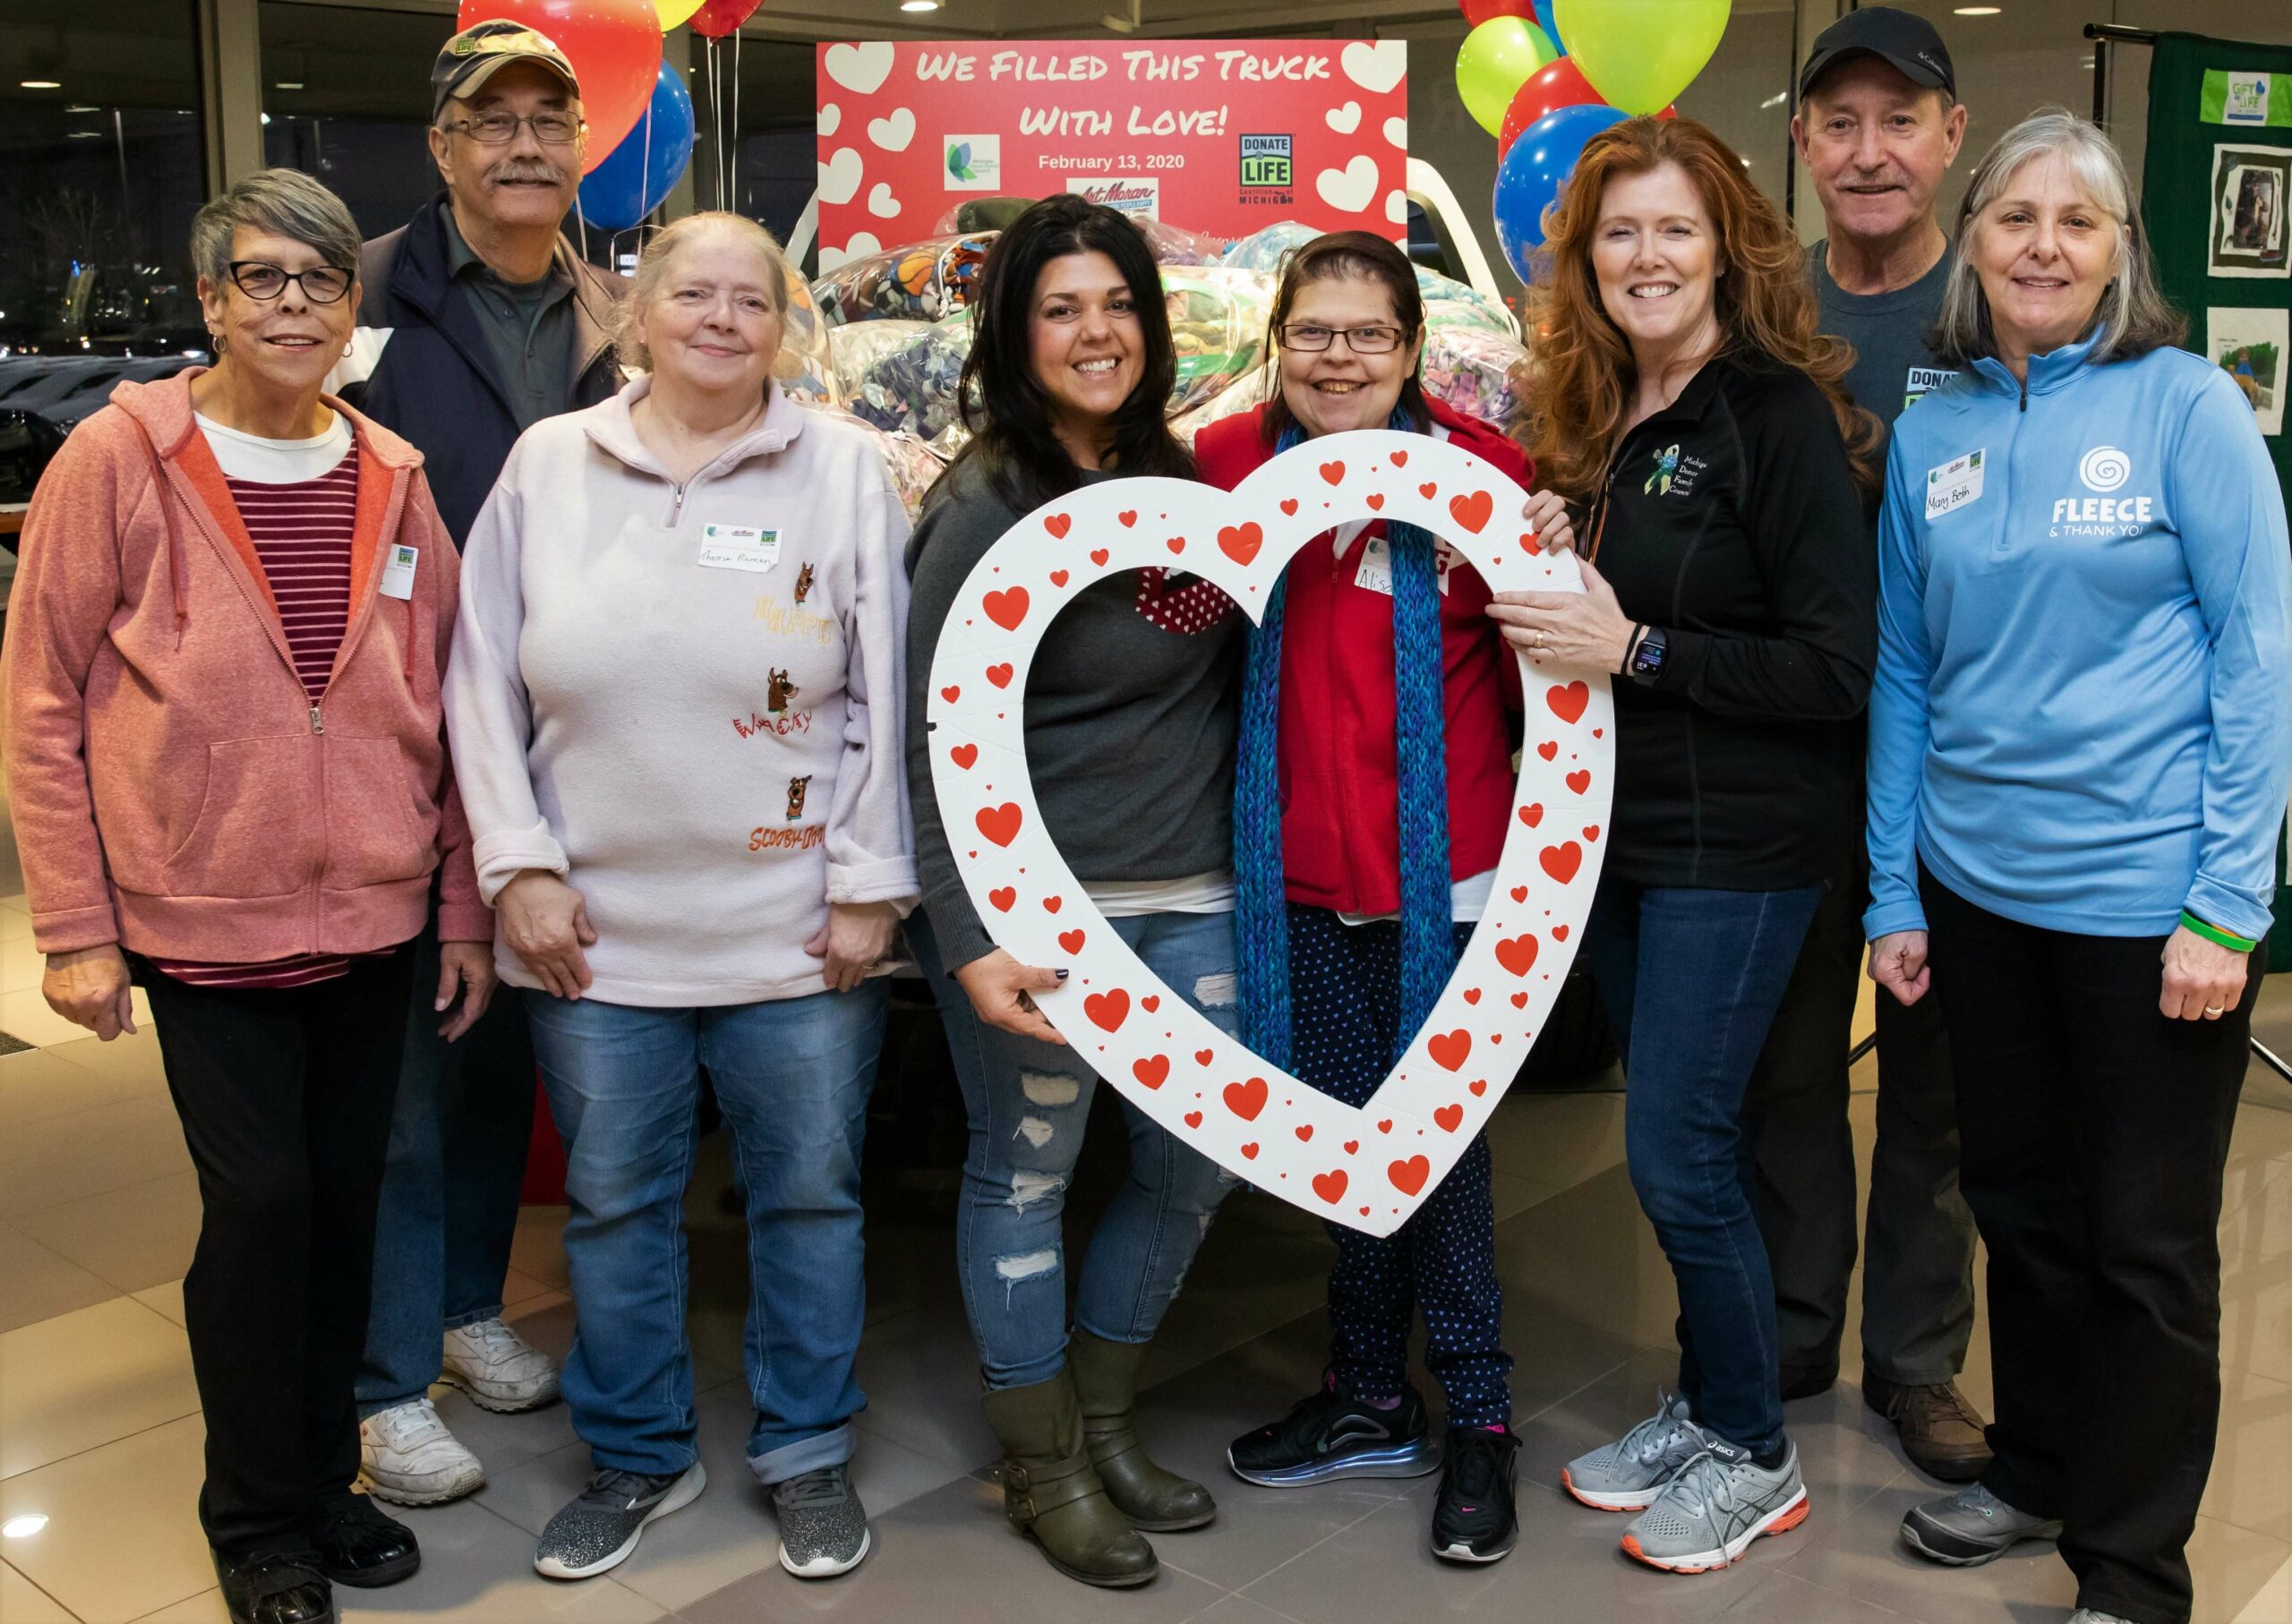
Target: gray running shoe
[
  {"x": 1970, "y": 1527},
  {"x": 1707, "y": 1515},
  {"x": 1626, "y": 1474},
  {"x": 2090, "y": 1615},
  {"x": 823, "y": 1528},
  {"x": 598, "y": 1531}
]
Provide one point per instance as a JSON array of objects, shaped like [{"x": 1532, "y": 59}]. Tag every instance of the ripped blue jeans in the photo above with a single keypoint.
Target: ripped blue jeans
[{"x": 1028, "y": 1102}]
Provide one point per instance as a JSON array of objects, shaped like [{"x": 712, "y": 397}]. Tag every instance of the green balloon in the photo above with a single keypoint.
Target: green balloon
[
  {"x": 1496, "y": 60},
  {"x": 1639, "y": 54}
]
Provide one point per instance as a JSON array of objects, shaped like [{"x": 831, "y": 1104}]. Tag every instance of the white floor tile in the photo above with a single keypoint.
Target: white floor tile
[{"x": 84, "y": 1379}]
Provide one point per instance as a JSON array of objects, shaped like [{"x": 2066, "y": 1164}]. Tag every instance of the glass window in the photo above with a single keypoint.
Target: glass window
[
  {"x": 345, "y": 98},
  {"x": 1743, "y": 94},
  {"x": 100, "y": 172},
  {"x": 769, "y": 169}
]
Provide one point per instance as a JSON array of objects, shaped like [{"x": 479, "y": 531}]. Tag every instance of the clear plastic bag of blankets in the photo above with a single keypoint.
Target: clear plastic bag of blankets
[
  {"x": 1471, "y": 370},
  {"x": 1265, "y": 248},
  {"x": 1243, "y": 394},
  {"x": 804, "y": 367},
  {"x": 913, "y": 465},
  {"x": 1450, "y": 294},
  {"x": 920, "y": 282},
  {"x": 1174, "y": 246},
  {"x": 901, "y": 375},
  {"x": 1218, "y": 323}
]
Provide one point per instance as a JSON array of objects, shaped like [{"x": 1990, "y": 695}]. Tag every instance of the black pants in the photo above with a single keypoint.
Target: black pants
[
  {"x": 1917, "y": 1276},
  {"x": 286, "y": 1098},
  {"x": 2095, "y": 1133}
]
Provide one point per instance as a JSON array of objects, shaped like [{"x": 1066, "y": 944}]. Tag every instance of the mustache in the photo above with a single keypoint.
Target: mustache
[{"x": 527, "y": 169}]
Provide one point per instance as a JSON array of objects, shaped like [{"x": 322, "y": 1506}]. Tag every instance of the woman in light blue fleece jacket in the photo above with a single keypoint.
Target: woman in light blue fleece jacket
[{"x": 2080, "y": 746}]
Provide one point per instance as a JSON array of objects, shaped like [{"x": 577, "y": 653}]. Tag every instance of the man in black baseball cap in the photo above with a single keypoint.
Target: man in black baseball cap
[
  {"x": 1877, "y": 128},
  {"x": 477, "y": 319}
]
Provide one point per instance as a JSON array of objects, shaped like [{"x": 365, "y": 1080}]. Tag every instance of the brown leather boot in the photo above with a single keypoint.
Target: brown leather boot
[
  {"x": 1105, "y": 1379},
  {"x": 1052, "y": 1493},
  {"x": 1941, "y": 1432}
]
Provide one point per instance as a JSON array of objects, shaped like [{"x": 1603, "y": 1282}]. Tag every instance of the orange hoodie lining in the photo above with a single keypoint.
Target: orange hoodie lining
[{"x": 197, "y": 460}]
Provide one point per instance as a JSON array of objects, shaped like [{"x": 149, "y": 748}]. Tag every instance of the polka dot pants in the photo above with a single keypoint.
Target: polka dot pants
[{"x": 1344, "y": 989}]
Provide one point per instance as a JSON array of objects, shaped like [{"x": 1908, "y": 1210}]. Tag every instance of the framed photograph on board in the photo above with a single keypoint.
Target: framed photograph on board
[
  {"x": 2249, "y": 346},
  {"x": 2252, "y": 188}
]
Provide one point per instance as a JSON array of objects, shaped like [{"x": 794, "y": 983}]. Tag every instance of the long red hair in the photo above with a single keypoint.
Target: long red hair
[{"x": 1579, "y": 373}]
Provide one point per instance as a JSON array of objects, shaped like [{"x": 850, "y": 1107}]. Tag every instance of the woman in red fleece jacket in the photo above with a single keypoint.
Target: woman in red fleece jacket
[
  {"x": 1370, "y": 809},
  {"x": 229, "y": 783}
]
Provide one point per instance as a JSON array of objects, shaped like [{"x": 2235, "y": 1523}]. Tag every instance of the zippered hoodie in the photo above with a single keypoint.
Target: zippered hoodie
[
  {"x": 687, "y": 698},
  {"x": 2079, "y": 718},
  {"x": 174, "y": 788}
]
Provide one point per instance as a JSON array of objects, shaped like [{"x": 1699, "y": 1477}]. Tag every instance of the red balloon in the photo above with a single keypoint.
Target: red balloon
[
  {"x": 1477, "y": 11},
  {"x": 1556, "y": 84},
  {"x": 717, "y": 18},
  {"x": 614, "y": 47}
]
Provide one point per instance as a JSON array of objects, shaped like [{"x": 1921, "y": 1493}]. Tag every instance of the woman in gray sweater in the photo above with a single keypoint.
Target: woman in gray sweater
[{"x": 1131, "y": 717}]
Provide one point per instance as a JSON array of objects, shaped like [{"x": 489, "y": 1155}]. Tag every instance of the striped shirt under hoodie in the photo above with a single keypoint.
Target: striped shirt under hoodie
[{"x": 299, "y": 501}]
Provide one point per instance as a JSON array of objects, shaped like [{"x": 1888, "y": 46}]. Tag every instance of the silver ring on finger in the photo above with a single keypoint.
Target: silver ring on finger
[{"x": 2214, "y": 1012}]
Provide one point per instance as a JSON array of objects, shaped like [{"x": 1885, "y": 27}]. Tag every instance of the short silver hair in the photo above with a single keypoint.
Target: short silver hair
[
  {"x": 2133, "y": 315},
  {"x": 653, "y": 269},
  {"x": 285, "y": 202}
]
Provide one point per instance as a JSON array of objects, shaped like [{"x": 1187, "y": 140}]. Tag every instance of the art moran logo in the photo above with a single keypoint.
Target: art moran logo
[
  {"x": 2104, "y": 468},
  {"x": 1267, "y": 162},
  {"x": 1124, "y": 194}
]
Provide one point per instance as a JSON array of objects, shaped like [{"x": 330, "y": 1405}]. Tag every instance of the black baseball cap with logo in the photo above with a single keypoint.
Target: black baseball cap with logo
[
  {"x": 484, "y": 50},
  {"x": 1906, "y": 41}
]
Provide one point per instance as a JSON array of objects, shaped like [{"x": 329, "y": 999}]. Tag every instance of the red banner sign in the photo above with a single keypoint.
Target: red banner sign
[{"x": 1220, "y": 136}]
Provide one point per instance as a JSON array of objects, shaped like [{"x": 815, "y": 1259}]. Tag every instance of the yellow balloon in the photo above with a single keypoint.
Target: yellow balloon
[
  {"x": 1639, "y": 54},
  {"x": 1497, "y": 59},
  {"x": 674, "y": 11}
]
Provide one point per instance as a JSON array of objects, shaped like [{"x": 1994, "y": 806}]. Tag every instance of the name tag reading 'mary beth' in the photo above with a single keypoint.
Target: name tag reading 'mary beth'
[
  {"x": 1954, "y": 484},
  {"x": 739, "y": 547}
]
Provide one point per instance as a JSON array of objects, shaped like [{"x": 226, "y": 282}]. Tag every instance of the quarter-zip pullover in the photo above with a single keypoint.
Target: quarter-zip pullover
[
  {"x": 1731, "y": 520},
  {"x": 2080, "y": 720}
]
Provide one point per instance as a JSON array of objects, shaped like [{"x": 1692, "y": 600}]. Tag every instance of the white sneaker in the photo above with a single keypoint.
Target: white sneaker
[
  {"x": 406, "y": 1456},
  {"x": 499, "y": 1369}
]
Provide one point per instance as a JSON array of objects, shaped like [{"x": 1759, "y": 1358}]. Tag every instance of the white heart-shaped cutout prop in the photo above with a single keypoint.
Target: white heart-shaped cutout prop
[
  {"x": 1371, "y": 1167},
  {"x": 1343, "y": 120},
  {"x": 839, "y": 176},
  {"x": 892, "y": 133},
  {"x": 881, "y": 203},
  {"x": 1376, "y": 67},
  {"x": 861, "y": 68},
  {"x": 1350, "y": 188}
]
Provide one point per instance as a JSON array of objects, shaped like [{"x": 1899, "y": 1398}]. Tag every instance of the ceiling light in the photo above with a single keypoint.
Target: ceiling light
[
  {"x": 83, "y": 106},
  {"x": 83, "y": 135},
  {"x": 288, "y": 84},
  {"x": 39, "y": 84},
  {"x": 918, "y": 5},
  {"x": 1977, "y": 11},
  {"x": 23, "y": 1527},
  {"x": 266, "y": 118}
]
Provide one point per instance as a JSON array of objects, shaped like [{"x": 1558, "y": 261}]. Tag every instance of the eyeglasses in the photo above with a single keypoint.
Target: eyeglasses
[
  {"x": 321, "y": 283},
  {"x": 1360, "y": 340},
  {"x": 496, "y": 129}
]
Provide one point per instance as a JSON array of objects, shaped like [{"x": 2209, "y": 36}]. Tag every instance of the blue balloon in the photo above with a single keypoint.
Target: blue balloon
[
  {"x": 638, "y": 175},
  {"x": 1533, "y": 170},
  {"x": 1548, "y": 21}
]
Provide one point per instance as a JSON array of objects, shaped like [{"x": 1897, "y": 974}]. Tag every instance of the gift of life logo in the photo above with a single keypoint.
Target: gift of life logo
[
  {"x": 974, "y": 162},
  {"x": 2246, "y": 102}
]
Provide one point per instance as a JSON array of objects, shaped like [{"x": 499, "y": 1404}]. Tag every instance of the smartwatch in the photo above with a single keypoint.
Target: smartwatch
[{"x": 1646, "y": 663}]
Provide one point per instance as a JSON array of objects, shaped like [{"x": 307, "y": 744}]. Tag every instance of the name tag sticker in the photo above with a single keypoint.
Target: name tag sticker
[
  {"x": 739, "y": 547},
  {"x": 1375, "y": 573},
  {"x": 397, "y": 572},
  {"x": 1955, "y": 483}
]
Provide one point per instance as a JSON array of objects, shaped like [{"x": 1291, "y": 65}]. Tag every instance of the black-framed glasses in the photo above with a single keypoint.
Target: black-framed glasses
[
  {"x": 498, "y": 129},
  {"x": 1374, "y": 340},
  {"x": 321, "y": 283}
]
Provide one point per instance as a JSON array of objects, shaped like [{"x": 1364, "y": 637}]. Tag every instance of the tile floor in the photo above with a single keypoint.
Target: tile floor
[{"x": 99, "y": 1428}]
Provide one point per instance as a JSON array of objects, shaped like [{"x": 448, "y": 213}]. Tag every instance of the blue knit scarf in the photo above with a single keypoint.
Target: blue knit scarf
[{"x": 1428, "y": 941}]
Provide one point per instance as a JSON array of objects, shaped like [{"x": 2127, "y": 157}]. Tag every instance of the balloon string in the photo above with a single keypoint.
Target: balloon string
[
  {"x": 645, "y": 167},
  {"x": 736, "y": 118}
]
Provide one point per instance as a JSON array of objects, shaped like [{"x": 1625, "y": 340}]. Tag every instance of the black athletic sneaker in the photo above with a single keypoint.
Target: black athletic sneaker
[
  {"x": 1334, "y": 1435},
  {"x": 1474, "y": 1521}
]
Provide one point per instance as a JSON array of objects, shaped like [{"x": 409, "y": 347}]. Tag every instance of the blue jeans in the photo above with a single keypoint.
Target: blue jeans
[
  {"x": 1028, "y": 1102},
  {"x": 1714, "y": 963},
  {"x": 792, "y": 1077},
  {"x": 464, "y": 1118}
]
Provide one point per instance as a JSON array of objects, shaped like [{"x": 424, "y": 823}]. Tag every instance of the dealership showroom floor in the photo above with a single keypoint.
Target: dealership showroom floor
[{"x": 100, "y": 1433}]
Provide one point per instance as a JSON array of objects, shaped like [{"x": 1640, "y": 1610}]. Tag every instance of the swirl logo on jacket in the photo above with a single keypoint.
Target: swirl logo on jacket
[{"x": 2104, "y": 468}]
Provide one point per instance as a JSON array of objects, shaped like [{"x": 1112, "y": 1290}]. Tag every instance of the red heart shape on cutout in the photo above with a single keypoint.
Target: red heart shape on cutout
[
  {"x": 1377, "y": 502},
  {"x": 1204, "y": 1057},
  {"x": 1059, "y": 577},
  {"x": 1240, "y": 542},
  {"x": 1568, "y": 702},
  {"x": 1151, "y": 1003},
  {"x": 1408, "y": 1176},
  {"x": 1194, "y": 1119},
  {"x": 1519, "y": 954},
  {"x": 1006, "y": 608},
  {"x": 1332, "y": 472},
  {"x": 1519, "y": 894},
  {"x": 1289, "y": 506},
  {"x": 1052, "y": 904},
  {"x": 1099, "y": 555},
  {"x": 1532, "y": 815},
  {"x": 1128, "y": 516},
  {"x": 1450, "y": 1049},
  {"x": 1003, "y": 896},
  {"x": 1591, "y": 831},
  {"x": 1479, "y": 1085},
  {"x": 951, "y": 694},
  {"x": 1000, "y": 824},
  {"x": 1153, "y": 1071},
  {"x": 1520, "y": 1000},
  {"x": 1400, "y": 459},
  {"x": 1107, "y": 1011},
  {"x": 1249, "y": 1152},
  {"x": 1304, "y": 1131},
  {"x": 1449, "y": 1117},
  {"x": 1176, "y": 544},
  {"x": 1351, "y": 1145},
  {"x": 963, "y": 755},
  {"x": 1562, "y": 860},
  {"x": 1472, "y": 994},
  {"x": 1472, "y": 511},
  {"x": 1579, "y": 780},
  {"x": 1428, "y": 489},
  {"x": 1058, "y": 525},
  {"x": 1549, "y": 748},
  {"x": 1560, "y": 933},
  {"x": 999, "y": 675},
  {"x": 1246, "y": 1099},
  {"x": 1071, "y": 940},
  {"x": 1330, "y": 1187}
]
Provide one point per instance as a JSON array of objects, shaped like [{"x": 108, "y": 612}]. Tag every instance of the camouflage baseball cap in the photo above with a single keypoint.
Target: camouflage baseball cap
[{"x": 484, "y": 50}]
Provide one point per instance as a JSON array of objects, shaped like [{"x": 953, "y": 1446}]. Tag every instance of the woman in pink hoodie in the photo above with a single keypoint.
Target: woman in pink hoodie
[{"x": 229, "y": 781}]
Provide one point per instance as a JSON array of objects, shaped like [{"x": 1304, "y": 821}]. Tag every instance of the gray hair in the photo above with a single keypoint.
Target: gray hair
[
  {"x": 2133, "y": 315},
  {"x": 285, "y": 202},
  {"x": 653, "y": 269}
]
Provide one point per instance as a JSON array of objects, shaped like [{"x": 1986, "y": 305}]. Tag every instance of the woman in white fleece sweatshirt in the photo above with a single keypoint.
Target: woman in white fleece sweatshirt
[{"x": 675, "y": 703}]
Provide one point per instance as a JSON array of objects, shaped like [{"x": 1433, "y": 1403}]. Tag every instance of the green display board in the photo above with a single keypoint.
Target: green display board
[{"x": 2217, "y": 204}]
